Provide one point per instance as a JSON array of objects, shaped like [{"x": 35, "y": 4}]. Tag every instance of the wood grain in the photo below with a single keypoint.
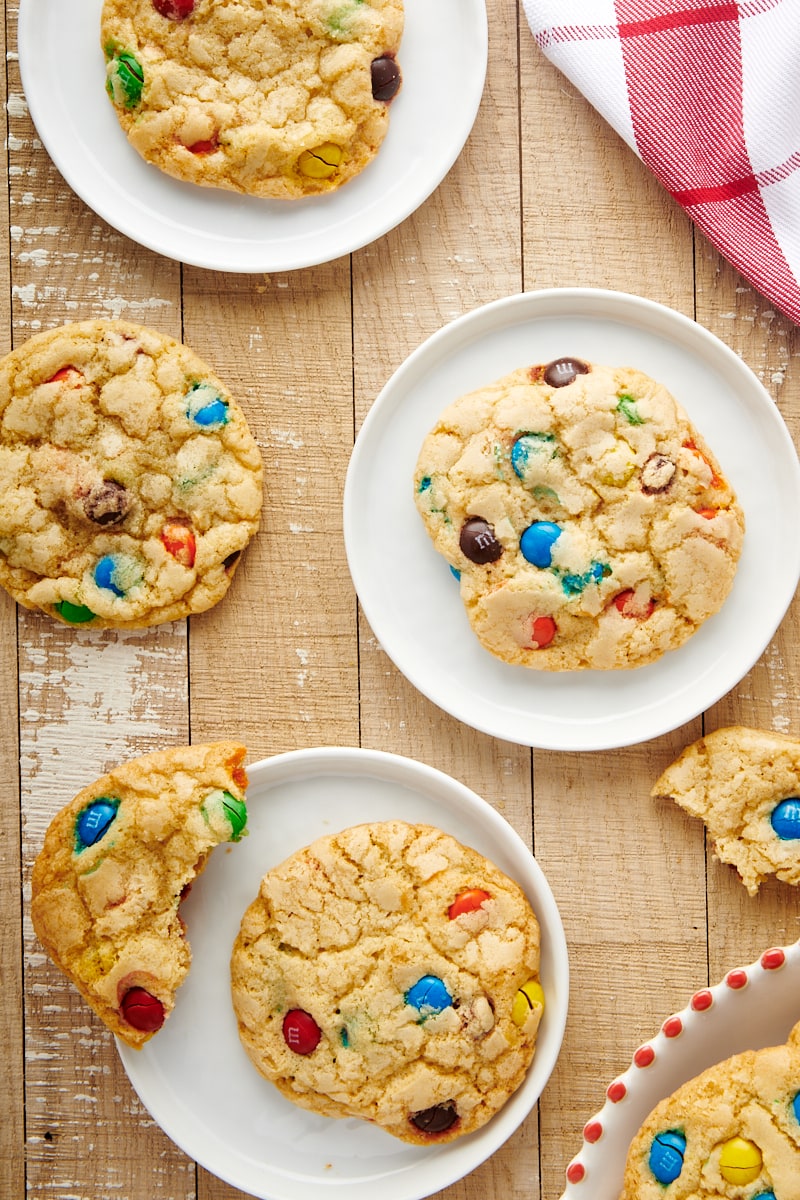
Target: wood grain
[{"x": 543, "y": 195}]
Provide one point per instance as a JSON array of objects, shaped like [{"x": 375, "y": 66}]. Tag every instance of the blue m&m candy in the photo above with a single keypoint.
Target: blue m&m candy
[
  {"x": 206, "y": 407},
  {"x": 537, "y": 542},
  {"x": 785, "y": 819},
  {"x": 530, "y": 446},
  {"x": 430, "y": 995},
  {"x": 117, "y": 573},
  {"x": 94, "y": 821},
  {"x": 796, "y": 1107},
  {"x": 666, "y": 1155}
]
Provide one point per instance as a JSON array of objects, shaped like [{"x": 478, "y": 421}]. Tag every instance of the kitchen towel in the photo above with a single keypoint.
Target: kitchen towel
[{"x": 707, "y": 93}]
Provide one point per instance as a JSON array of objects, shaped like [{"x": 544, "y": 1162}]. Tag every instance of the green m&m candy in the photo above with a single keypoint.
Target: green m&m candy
[
  {"x": 223, "y": 804},
  {"x": 125, "y": 79}
]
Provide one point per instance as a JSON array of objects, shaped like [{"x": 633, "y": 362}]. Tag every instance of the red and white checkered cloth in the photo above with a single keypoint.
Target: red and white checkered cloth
[{"x": 707, "y": 92}]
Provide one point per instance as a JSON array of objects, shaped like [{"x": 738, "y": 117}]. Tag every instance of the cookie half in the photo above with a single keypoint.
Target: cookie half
[
  {"x": 115, "y": 865},
  {"x": 587, "y": 520},
  {"x": 276, "y": 98},
  {"x": 130, "y": 482},
  {"x": 744, "y": 784},
  {"x": 732, "y": 1133},
  {"x": 390, "y": 973}
]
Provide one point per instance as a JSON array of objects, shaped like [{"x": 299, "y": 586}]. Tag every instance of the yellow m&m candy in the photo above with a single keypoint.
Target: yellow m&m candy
[
  {"x": 528, "y": 997},
  {"x": 740, "y": 1161},
  {"x": 322, "y": 162}
]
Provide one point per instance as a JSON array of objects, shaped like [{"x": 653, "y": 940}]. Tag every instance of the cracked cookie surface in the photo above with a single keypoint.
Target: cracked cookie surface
[
  {"x": 390, "y": 973},
  {"x": 130, "y": 482},
  {"x": 732, "y": 1133},
  {"x": 588, "y": 522},
  {"x": 276, "y": 98},
  {"x": 744, "y": 784},
  {"x": 116, "y": 863}
]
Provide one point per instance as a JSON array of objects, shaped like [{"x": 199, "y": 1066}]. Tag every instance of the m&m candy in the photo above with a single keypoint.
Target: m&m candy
[
  {"x": 666, "y": 1155},
  {"x": 543, "y": 630},
  {"x": 174, "y": 10},
  {"x": 527, "y": 448},
  {"x": 179, "y": 541},
  {"x": 94, "y": 821},
  {"x": 467, "y": 901},
  {"x": 76, "y": 614},
  {"x": 301, "y": 1032},
  {"x": 142, "y": 1010},
  {"x": 429, "y": 995},
  {"x": 117, "y": 573},
  {"x": 437, "y": 1119},
  {"x": 537, "y": 543},
  {"x": 225, "y": 804},
  {"x": 785, "y": 819},
  {"x": 205, "y": 407},
  {"x": 321, "y": 163},
  {"x": 528, "y": 997},
  {"x": 125, "y": 80},
  {"x": 740, "y": 1161}
]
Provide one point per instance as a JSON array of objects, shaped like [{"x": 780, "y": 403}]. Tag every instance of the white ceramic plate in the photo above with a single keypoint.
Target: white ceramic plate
[
  {"x": 196, "y": 1080},
  {"x": 408, "y": 593},
  {"x": 443, "y": 57},
  {"x": 750, "y": 1008}
]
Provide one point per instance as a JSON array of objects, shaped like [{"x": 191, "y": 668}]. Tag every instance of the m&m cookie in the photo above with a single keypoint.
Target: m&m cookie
[
  {"x": 731, "y": 1133},
  {"x": 115, "y": 865},
  {"x": 587, "y": 521},
  {"x": 390, "y": 973},
  {"x": 276, "y": 98},
  {"x": 130, "y": 481},
  {"x": 744, "y": 784}
]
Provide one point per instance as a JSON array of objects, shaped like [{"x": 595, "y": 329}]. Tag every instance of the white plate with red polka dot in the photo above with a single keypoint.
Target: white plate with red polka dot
[
  {"x": 752, "y": 1007},
  {"x": 443, "y": 56},
  {"x": 195, "y": 1078},
  {"x": 407, "y": 590}
]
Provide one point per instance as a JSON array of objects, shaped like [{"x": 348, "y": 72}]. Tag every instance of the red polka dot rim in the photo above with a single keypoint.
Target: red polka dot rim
[{"x": 751, "y": 1007}]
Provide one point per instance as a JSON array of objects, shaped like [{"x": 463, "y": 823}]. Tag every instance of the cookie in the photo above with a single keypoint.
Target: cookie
[
  {"x": 731, "y": 1133},
  {"x": 390, "y": 973},
  {"x": 130, "y": 483},
  {"x": 744, "y": 784},
  {"x": 115, "y": 865},
  {"x": 276, "y": 98},
  {"x": 587, "y": 520}
]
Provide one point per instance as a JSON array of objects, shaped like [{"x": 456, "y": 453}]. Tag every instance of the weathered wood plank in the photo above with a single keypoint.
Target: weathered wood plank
[
  {"x": 86, "y": 700},
  {"x": 742, "y": 927},
  {"x": 621, "y": 868},
  {"x": 12, "y": 1129},
  {"x": 461, "y": 249}
]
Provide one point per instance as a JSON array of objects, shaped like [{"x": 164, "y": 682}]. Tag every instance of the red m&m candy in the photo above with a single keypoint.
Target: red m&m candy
[
  {"x": 300, "y": 1031},
  {"x": 467, "y": 901},
  {"x": 179, "y": 541},
  {"x": 142, "y": 1011},
  {"x": 70, "y": 375},
  {"x": 627, "y": 603},
  {"x": 174, "y": 10},
  {"x": 543, "y": 630}
]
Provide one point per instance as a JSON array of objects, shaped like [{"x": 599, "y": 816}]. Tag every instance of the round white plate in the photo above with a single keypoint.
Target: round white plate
[
  {"x": 750, "y": 1008},
  {"x": 443, "y": 57},
  {"x": 195, "y": 1078},
  {"x": 411, "y": 599}
]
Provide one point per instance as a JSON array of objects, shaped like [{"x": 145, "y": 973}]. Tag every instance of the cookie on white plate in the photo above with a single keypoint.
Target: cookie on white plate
[
  {"x": 389, "y": 972},
  {"x": 588, "y": 522}
]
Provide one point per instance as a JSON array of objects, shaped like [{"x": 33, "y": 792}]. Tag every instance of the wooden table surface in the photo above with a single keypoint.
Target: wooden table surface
[{"x": 543, "y": 195}]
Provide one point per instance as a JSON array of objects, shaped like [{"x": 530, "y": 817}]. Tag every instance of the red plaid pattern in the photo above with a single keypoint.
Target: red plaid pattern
[{"x": 707, "y": 92}]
